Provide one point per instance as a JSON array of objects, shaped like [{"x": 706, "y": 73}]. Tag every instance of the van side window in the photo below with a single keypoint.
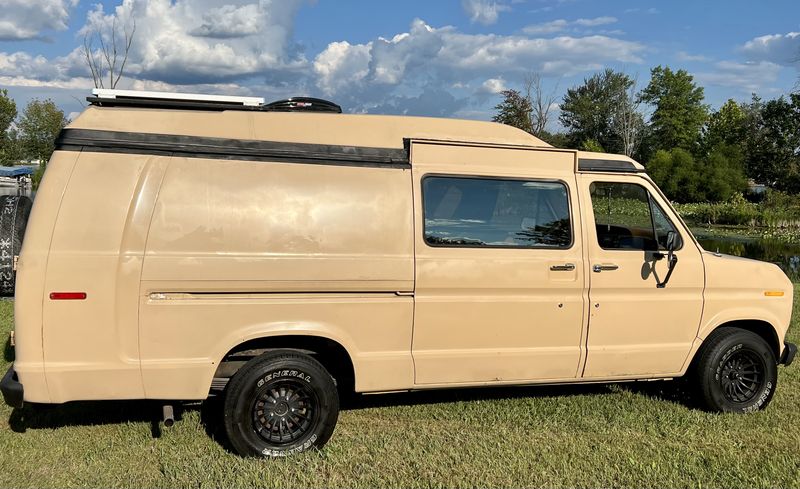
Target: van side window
[
  {"x": 489, "y": 212},
  {"x": 627, "y": 218}
]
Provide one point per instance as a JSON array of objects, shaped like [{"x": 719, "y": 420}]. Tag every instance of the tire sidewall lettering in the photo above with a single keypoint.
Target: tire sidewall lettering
[
  {"x": 277, "y": 374},
  {"x": 269, "y": 452},
  {"x": 761, "y": 399},
  {"x": 725, "y": 356}
]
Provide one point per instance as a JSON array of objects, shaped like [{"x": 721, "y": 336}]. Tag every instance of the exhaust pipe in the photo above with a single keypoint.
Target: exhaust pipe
[{"x": 168, "y": 415}]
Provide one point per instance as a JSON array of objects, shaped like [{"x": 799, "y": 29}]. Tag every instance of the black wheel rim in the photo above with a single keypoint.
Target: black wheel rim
[
  {"x": 742, "y": 376},
  {"x": 284, "y": 411}
]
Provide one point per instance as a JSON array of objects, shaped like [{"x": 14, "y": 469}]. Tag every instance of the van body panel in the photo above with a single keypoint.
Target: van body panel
[
  {"x": 735, "y": 290},
  {"x": 29, "y": 361},
  {"x": 229, "y": 221},
  {"x": 241, "y": 250},
  {"x": 636, "y": 328},
  {"x": 487, "y": 314},
  {"x": 91, "y": 347},
  {"x": 375, "y": 330}
]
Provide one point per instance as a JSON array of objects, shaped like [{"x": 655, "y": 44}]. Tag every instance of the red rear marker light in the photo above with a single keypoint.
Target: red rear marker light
[{"x": 67, "y": 296}]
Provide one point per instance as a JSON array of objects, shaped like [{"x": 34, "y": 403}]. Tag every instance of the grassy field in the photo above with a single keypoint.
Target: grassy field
[{"x": 624, "y": 435}]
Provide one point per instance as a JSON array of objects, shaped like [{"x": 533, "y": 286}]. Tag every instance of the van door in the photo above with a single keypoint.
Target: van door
[
  {"x": 499, "y": 271},
  {"x": 635, "y": 327}
]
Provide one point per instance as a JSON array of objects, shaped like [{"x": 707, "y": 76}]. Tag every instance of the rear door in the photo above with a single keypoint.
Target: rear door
[{"x": 499, "y": 270}]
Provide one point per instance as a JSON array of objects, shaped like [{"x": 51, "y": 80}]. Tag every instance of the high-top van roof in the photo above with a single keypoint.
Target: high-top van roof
[
  {"x": 378, "y": 131},
  {"x": 298, "y": 129}
]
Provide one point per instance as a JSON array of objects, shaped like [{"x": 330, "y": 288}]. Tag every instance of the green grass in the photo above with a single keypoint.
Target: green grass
[{"x": 622, "y": 436}]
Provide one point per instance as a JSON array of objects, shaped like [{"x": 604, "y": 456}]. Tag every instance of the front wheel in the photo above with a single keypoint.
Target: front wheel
[
  {"x": 736, "y": 372},
  {"x": 280, "y": 403}
]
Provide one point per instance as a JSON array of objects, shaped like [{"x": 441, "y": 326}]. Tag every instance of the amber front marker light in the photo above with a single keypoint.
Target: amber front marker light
[
  {"x": 773, "y": 293},
  {"x": 67, "y": 296}
]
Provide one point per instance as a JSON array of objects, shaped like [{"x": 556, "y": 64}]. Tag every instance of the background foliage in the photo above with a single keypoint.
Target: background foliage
[{"x": 693, "y": 153}]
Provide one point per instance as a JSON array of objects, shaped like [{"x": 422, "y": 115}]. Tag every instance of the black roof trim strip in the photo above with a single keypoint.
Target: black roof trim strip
[
  {"x": 229, "y": 149},
  {"x": 590, "y": 164}
]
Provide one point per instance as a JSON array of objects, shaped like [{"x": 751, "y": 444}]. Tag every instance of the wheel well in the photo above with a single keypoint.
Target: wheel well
[
  {"x": 329, "y": 353},
  {"x": 761, "y": 328}
]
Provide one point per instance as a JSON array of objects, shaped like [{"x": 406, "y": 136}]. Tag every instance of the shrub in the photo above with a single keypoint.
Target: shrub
[
  {"x": 777, "y": 211},
  {"x": 716, "y": 178}
]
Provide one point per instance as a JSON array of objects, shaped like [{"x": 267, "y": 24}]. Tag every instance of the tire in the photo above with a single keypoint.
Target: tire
[
  {"x": 303, "y": 398},
  {"x": 736, "y": 372},
  {"x": 14, "y": 213}
]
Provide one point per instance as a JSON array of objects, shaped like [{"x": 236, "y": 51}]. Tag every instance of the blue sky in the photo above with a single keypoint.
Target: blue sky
[{"x": 441, "y": 58}]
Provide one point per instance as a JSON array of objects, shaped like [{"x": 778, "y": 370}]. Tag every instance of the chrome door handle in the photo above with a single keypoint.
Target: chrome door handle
[
  {"x": 567, "y": 267},
  {"x": 604, "y": 267}
]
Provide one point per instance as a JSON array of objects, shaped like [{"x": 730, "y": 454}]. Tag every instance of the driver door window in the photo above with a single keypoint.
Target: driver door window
[{"x": 627, "y": 218}]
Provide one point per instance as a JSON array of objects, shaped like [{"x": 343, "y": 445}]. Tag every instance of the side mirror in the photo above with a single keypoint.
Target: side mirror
[
  {"x": 672, "y": 260},
  {"x": 672, "y": 241}
]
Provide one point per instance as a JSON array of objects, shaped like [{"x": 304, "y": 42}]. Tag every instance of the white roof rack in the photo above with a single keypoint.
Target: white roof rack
[{"x": 189, "y": 97}]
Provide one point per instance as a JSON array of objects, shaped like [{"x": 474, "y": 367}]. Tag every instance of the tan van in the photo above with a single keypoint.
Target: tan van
[{"x": 282, "y": 255}]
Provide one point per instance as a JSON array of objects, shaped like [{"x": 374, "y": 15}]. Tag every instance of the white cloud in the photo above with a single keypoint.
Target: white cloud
[
  {"x": 21, "y": 63},
  {"x": 546, "y": 27},
  {"x": 746, "y": 77},
  {"x": 196, "y": 41},
  {"x": 684, "y": 56},
  {"x": 22, "y": 81},
  {"x": 28, "y": 19},
  {"x": 596, "y": 21},
  {"x": 485, "y": 12},
  {"x": 783, "y": 49},
  {"x": 231, "y": 21},
  {"x": 340, "y": 64},
  {"x": 560, "y": 25},
  {"x": 493, "y": 86},
  {"x": 427, "y": 59}
]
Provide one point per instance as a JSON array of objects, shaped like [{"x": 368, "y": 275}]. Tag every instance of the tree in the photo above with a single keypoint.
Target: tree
[
  {"x": 628, "y": 122},
  {"x": 8, "y": 111},
  {"x": 685, "y": 179},
  {"x": 529, "y": 111},
  {"x": 540, "y": 102},
  {"x": 588, "y": 111},
  {"x": 514, "y": 110},
  {"x": 105, "y": 61},
  {"x": 728, "y": 126},
  {"x": 722, "y": 173},
  {"x": 679, "y": 110},
  {"x": 39, "y": 126},
  {"x": 8, "y": 137},
  {"x": 773, "y": 143},
  {"x": 11, "y": 151},
  {"x": 556, "y": 139}
]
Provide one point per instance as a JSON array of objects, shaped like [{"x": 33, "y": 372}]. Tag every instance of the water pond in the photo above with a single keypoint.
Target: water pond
[{"x": 786, "y": 255}]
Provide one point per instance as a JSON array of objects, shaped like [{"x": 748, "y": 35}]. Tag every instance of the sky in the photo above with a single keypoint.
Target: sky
[{"x": 444, "y": 58}]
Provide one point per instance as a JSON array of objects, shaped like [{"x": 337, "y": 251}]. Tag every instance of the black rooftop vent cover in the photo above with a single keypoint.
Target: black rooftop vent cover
[{"x": 303, "y": 104}]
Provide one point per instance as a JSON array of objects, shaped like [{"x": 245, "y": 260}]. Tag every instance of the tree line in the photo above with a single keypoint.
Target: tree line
[
  {"x": 29, "y": 136},
  {"x": 695, "y": 154}
]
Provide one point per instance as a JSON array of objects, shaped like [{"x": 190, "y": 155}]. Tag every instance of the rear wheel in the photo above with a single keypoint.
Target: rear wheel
[
  {"x": 736, "y": 372},
  {"x": 279, "y": 403}
]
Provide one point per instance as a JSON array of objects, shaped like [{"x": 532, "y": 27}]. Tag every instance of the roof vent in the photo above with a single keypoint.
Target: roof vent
[{"x": 303, "y": 104}]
